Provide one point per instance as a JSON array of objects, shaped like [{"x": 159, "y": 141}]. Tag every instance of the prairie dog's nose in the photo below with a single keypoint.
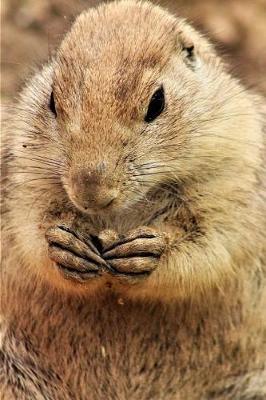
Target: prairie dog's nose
[
  {"x": 90, "y": 189},
  {"x": 91, "y": 175}
]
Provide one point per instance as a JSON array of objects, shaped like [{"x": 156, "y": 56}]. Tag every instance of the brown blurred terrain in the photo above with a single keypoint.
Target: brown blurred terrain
[{"x": 31, "y": 29}]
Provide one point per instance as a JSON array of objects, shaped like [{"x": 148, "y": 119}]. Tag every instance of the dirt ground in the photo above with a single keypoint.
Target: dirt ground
[{"x": 31, "y": 29}]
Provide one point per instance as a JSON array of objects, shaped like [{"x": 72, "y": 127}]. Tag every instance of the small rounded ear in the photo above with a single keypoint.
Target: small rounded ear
[
  {"x": 189, "y": 53},
  {"x": 194, "y": 46}
]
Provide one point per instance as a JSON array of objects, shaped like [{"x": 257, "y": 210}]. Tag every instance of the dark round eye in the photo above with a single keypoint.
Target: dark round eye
[
  {"x": 156, "y": 105},
  {"x": 52, "y": 104}
]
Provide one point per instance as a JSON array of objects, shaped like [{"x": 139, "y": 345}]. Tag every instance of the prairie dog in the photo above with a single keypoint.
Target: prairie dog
[{"x": 134, "y": 224}]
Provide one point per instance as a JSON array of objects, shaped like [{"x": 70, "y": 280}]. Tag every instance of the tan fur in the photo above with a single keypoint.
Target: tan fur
[{"x": 189, "y": 187}]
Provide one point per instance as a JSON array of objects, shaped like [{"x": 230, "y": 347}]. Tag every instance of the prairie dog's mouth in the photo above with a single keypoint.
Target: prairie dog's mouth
[
  {"x": 103, "y": 210},
  {"x": 113, "y": 202},
  {"x": 97, "y": 200}
]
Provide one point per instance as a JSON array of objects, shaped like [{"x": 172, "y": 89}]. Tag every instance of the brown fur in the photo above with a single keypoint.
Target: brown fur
[{"x": 185, "y": 318}]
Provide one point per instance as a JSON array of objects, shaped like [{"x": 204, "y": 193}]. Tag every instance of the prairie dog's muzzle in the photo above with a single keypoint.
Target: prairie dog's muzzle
[{"x": 91, "y": 190}]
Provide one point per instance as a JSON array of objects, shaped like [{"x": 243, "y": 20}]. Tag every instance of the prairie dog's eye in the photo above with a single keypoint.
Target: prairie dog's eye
[
  {"x": 156, "y": 105},
  {"x": 52, "y": 104}
]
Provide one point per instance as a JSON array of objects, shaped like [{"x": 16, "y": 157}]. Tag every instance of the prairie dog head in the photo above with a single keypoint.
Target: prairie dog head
[
  {"x": 133, "y": 94},
  {"x": 133, "y": 99},
  {"x": 128, "y": 103},
  {"x": 123, "y": 85}
]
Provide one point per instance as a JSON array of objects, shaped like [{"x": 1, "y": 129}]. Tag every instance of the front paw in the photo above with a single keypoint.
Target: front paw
[
  {"x": 137, "y": 254},
  {"x": 76, "y": 256}
]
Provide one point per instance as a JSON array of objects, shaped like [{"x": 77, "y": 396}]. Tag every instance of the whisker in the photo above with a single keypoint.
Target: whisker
[
  {"x": 153, "y": 173},
  {"x": 39, "y": 160},
  {"x": 49, "y": 179}
]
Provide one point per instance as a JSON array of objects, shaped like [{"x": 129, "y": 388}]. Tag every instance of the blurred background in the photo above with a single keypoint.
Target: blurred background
[{"x": 31, "y": 30}]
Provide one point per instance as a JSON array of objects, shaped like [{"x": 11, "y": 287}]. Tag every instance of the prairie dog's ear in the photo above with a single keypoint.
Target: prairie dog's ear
[{"x": 194, "y": 47}]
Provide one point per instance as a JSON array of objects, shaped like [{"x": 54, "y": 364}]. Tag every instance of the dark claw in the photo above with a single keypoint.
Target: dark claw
[
  {"x": 76, "y": 256},
  {"x": 135, "y": 255},
  {"x": 90, "y": 240}
]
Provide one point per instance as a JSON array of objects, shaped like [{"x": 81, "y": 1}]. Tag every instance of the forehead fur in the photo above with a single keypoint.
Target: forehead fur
[
  {"x": 126, "y": 29},
  {"x": 113, "y": 46}
]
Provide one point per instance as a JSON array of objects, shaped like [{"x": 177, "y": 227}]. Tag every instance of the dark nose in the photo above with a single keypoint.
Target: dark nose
[{"x": 91, "y": 189}]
